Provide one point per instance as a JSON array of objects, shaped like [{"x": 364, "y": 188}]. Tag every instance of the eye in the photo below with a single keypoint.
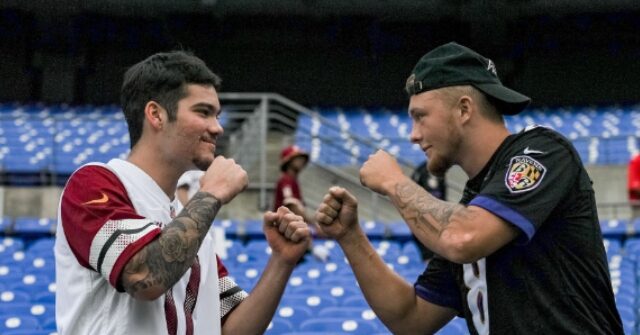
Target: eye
[{"x": 418, "y": 116}]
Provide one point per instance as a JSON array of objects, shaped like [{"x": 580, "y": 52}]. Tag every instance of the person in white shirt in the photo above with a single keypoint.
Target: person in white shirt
[{"x": 126, "y": 261}]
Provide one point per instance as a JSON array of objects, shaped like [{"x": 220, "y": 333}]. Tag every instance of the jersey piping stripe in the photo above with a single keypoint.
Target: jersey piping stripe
[
  {"x": 191, "y": 297},
  {"x": 230, "y": 292},
  {"x": 110, "y": 242},
  {"x": 112, "y": 239}
]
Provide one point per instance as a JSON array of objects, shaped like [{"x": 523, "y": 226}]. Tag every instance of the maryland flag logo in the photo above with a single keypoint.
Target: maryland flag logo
[{"x": 524, "y": 174}]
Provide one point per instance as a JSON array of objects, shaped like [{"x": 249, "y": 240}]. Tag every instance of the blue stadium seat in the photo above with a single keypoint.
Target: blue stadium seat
[
  {"x": 230, "y": 227},
  {"x": 313, "y": 302},
  {"x": 400, "y": 231},
  {"x": 42, "y": 246},
  {"x": 373, "y": 229},
  {"x": 36, "y": 310},
  {"x": 364, "y": 314},
  {"x": 279, "y": 326},
  {"x": 614, "y": 228},
  {"x": 14, "y": 296},
  {"x": 349, "y": 326},
  {"x": 18, "y": 322},
  {"x": 253, "y": 229},
  {"x": 34, "y": 226},
  {"x": 5, "y": 224},
  {"x": 294, "y": 314}
]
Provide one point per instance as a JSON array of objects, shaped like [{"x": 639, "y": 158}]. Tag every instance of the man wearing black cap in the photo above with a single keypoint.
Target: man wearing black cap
[{"x": 521, "y": 253}]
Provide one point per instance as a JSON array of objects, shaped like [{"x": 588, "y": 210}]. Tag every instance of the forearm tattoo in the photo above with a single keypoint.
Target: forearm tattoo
[
  {"x": 166, "y": 259},
  {"x": 422, "y": 210}
]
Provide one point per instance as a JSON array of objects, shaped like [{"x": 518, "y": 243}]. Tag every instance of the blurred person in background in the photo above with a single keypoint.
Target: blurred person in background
[
  {"x": 521, "y": 253},
  {"x": 289, "y": 194},
  {"x": 188, "y": 185},
  {"x": 126, "y": 261},
  {"x": 633, "y": 185}
]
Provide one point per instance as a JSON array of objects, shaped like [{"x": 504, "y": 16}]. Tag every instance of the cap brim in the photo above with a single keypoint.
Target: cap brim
[{"x": 511, "y": 101}]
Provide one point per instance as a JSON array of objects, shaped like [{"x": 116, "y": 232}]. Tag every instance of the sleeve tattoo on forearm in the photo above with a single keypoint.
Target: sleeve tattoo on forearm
[
  {"x": 422, "y": 210},
  {"x": 165, "y": 260}
]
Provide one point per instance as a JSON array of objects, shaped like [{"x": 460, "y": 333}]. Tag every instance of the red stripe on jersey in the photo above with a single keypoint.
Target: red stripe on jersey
[
  {"x": 222, "y": 270},
  {"x": 94, "y": 195},
  {"x": 170, "y": 313},
  {"x": 191, "y": 296}
]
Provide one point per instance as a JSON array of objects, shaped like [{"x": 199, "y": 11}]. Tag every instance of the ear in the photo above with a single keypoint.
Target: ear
[
  {"x": 155, "y": 115},
  {"x": 466, "y": 107}
]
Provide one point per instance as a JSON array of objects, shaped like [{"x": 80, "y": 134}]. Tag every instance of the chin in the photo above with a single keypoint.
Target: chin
[
  {"x": 203, "y": 164},
  {"x": 438, "y": 167}
]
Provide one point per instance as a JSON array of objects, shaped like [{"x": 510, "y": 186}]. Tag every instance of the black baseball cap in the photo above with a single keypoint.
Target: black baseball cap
[{"x": 452, "y": 64}]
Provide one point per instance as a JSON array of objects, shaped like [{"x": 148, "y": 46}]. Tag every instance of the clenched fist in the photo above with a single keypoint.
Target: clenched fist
[
  {"x": 380, "y": 172},
  {"x": 337, "y": 215},
  {"x": 224, "y": 179},
  {"x": 287, "y": 234}
]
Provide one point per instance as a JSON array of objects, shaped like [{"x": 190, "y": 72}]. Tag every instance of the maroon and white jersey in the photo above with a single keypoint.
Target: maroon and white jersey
[{"x": 108, "y": 212}]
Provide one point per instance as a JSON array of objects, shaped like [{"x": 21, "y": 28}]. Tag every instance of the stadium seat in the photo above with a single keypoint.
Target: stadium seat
[
  {"x": 373, "y": 229},
  {"x": 14, "y": 296},
  {"x": 27, "y": 226},
  {"x": 31, "y": 332},
  {"x": 313, "y": 302},
  {"x": 349, "y": 326},
  {"x": 294, "y": 314},
  {"x": 279, "y": 326},
  {"x": 36, "y": 310},
  {"x": 18, "y": 322}
]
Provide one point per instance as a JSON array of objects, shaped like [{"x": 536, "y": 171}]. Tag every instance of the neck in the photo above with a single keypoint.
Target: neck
[
  {"x": 479, "y": 148},
  {"x": 165, "y": 174}
]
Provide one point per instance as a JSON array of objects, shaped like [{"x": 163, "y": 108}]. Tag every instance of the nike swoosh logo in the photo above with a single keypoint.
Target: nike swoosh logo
[
  {"x": 102, "y": 200},
  {"x": 528, "y": 151}
]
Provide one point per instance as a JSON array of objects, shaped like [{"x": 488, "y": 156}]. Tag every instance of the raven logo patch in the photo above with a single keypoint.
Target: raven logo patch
[{"x": 524, "y": 174}]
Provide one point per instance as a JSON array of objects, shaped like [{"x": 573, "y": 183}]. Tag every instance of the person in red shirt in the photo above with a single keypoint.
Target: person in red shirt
[
  {"x": 288, "y": 194},
  {"x": 292, "y": 161},
  {"x": 633, "y": 185}
]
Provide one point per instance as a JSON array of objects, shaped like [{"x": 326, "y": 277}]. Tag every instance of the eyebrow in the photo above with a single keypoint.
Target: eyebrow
[{"x": 413, "y": 111}]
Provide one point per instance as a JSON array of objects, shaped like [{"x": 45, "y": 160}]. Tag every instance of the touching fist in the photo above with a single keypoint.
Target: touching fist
[
  {"x": 380, "y": 172},
  {"x": 224, "y": 179},
  {"x": 337, "y": 215},
  {"x": 287, "y": 234}
]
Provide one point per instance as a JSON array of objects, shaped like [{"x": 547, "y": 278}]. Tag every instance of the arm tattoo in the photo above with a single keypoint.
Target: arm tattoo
[
  {"x": 422, "y": 210},
  {"x": 162, "y": 262}
]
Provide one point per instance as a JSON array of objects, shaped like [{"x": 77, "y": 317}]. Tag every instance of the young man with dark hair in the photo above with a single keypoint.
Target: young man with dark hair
[{"x": 126, "y": 262}]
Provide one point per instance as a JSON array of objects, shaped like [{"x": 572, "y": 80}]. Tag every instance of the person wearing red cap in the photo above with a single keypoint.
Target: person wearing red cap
[
  {"x": 292, "y": 161},
  {"x": 288, "y": 193}
]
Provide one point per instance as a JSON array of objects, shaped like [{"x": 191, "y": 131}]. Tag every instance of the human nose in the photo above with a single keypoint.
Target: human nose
[
  {"x": 414, "y": 136},
  {"x": 215, "y": 127}
]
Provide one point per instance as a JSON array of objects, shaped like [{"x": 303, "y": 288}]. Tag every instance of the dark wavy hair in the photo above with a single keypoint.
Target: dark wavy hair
[{"x": 162, "y": 78}]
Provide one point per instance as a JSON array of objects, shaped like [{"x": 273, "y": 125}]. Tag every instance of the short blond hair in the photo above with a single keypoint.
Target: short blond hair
[{"x": 452, "y": 93}]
